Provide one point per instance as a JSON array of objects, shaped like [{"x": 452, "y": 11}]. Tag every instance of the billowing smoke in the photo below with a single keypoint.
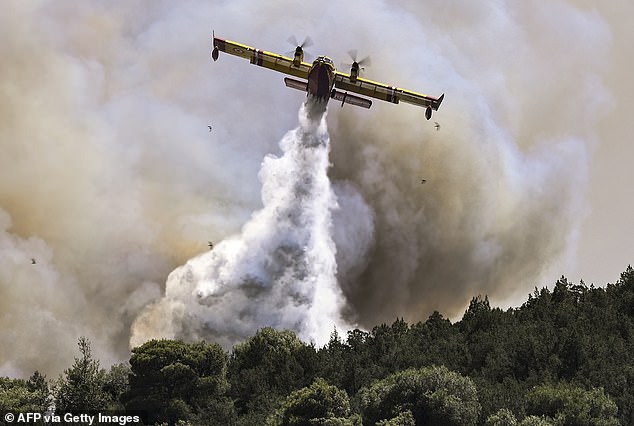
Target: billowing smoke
[
  {"x": 279, "y": 271},
  {"x": 505, "y": 171},
  {"x": 110, "y": 179}
]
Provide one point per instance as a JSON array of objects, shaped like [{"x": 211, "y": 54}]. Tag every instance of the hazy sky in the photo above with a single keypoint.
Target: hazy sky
[
  {"x": 110, "y": 179},
  {"x": 605, "y": 245}
]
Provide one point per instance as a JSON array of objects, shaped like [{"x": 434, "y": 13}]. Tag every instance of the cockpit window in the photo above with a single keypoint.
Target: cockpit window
[{"x": 324, "y": 59}]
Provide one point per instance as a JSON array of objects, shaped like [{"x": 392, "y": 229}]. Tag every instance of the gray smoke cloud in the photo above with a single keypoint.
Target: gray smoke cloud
[
  {"x": 506, "y": 171},
  {"x": 110, "y": 180}
]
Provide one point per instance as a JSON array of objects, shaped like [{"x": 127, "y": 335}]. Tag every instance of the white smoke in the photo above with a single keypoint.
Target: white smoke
[{"x": 281, "y": 270}]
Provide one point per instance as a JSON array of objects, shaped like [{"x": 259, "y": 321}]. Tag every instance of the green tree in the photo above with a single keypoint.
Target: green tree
[
  {"x": 30, "y": 395},
  {"x": 565, "y": 404},
  {"x": 116, "y": 383},
  {"x": 267, "y": 367},
  {"x": 173, "y": 380},
  {"x": 405, "y": 418},
  {"x": 391, "y": 347},
  {"x": 504, "y": 417},
  {"x": 434, "y": 395},
  {"x": 332, "y": 358},
  {"x": 536, "y": 421},
  {"x": 317, "y": 404},
  {"x": 80, "y": 389},
  {"x": 39, "y": 389},
  {"x": 438, "y": 342},
  {"x": 358, "y": 363}
]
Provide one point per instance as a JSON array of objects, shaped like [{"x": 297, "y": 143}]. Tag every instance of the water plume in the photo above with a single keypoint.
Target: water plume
[{"x": 281, "y": 269}]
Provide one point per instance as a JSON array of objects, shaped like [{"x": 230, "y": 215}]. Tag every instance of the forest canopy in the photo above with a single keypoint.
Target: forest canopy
[{"x": 564, "y": 357}]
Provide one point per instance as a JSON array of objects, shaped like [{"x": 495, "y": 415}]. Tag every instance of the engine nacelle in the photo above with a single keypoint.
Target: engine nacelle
[
  {"x": 214, "y": 54},
  {"x": 299, "y": 56},
  {"x": 354, "y": 72}
]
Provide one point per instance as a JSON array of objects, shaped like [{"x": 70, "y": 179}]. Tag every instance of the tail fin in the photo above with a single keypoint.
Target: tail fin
[{"x": 436, "y": 104}]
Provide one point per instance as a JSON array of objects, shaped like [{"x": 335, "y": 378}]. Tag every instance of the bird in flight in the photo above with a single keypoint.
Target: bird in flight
[
  {"x": 209, "y": 128},
  {"x": 33, "y": 262},
  {"x": 210, "y": 244},
  {"x": 436, "y": 125},
  {"x": 423, "y": 181}
]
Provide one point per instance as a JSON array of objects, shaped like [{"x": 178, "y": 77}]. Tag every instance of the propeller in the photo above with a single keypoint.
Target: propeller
[
  {"x": 365, "y": 62},
  {"x": 306, "y": 43}
]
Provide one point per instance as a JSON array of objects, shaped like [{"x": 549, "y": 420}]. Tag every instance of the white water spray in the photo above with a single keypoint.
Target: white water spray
[{"x": 280, "y": 271}]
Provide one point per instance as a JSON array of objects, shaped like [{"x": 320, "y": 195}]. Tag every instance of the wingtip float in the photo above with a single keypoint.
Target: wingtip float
[{"x": 321, "y": 79}]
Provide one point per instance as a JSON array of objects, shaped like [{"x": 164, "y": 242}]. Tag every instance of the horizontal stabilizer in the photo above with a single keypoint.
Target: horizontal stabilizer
[
  {"x": 296, "y": 84},
  {"x": 351, "y": 99}
]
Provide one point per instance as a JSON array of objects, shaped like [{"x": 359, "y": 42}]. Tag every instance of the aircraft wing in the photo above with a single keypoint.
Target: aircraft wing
[
  {"x": 262, "y": 58},
  {"x": 387, "y": 93}
]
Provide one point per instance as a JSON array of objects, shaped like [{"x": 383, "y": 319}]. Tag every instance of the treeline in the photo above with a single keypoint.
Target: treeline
[{"x": 565, "y": 357}]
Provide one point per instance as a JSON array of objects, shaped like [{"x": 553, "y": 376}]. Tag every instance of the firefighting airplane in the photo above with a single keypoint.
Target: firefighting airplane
[{"x": 322, "y": 77}]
